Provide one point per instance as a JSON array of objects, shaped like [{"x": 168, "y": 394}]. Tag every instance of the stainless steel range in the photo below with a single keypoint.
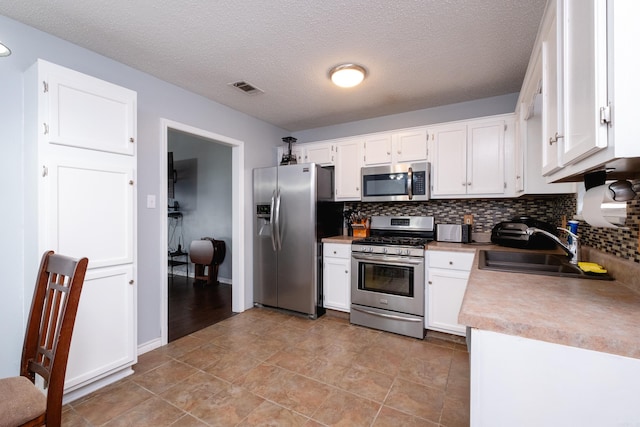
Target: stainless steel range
[{"x": 388, "y": 275}]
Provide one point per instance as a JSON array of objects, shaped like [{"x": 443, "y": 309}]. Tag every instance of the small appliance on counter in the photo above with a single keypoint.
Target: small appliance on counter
[
  {"x": 460, "y": 233},
  {"x": 514, "y": 234}
]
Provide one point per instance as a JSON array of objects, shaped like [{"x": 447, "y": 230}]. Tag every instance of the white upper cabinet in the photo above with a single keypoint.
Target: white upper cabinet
[
  {"x": 449, "y": 159},
  {"x": 410, "y": 146},
  {"x": 378, "y": 149},
  {"x": 322, "y": 154},
  {"x": 85, "y": 114},
  {"x": 347, "y": 169},
  {"x": 584, "y": 78},
  {"x": 485, "y": 157},
  {"x": 589, "y": 97},
  {"x": 402, "y": 147},
  {"x": 552, "y": 130},
  {"x": 468, "y": 158}
]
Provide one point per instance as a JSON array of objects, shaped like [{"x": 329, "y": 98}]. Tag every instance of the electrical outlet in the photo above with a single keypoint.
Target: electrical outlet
[{"x": 468, "y": 219}]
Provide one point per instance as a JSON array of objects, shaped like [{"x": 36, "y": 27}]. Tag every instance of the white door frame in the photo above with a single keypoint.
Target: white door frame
[{"x": 237, "y": 212}]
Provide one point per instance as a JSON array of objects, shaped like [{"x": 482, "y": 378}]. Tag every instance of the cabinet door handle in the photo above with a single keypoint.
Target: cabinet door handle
[
  {"x": 346, "y": 271},
  {"x": 450, "y": 262},
  {"x": 430, "y": 282},
  {"x": 555, "y": 138}
]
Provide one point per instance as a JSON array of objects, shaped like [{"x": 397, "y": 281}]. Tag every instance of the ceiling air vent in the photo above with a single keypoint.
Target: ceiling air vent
[{"x": 247, "y": 88}]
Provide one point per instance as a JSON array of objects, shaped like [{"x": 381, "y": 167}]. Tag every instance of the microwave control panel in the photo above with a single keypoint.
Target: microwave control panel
[{"x": 419, "y": 183}]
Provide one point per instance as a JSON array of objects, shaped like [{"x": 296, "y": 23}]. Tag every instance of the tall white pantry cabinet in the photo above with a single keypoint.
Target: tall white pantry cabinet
[{"x": 80, "y": 200}]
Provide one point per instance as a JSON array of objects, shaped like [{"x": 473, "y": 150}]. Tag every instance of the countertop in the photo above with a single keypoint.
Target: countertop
[
  {"x": 339, "y": 239},
  {"x": 596, "y": 315}
]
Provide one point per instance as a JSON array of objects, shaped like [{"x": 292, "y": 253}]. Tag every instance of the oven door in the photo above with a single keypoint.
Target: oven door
[{"x": 388, "y": 282}]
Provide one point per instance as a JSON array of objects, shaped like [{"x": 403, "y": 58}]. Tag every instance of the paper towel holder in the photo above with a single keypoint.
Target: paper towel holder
[{"x": 621, "y": 190}]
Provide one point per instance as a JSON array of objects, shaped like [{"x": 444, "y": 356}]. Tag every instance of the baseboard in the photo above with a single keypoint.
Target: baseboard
[
  {"x": 96, "y": 385},
  {"x": 149, "y": 345}
]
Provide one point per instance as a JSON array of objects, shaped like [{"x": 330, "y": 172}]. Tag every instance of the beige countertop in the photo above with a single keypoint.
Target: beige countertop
[
  {"x": 597, "y": 315},
  {"x": 338, "y": 239}
]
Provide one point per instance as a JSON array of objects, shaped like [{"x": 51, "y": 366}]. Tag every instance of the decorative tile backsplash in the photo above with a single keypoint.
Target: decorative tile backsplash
[{"x": 488, "y": 212}]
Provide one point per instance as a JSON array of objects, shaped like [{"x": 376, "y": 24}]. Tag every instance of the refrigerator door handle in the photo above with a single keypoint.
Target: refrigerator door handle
[
  {"x": 277, "y": 218},
  {"x": 271, "y": 223}
]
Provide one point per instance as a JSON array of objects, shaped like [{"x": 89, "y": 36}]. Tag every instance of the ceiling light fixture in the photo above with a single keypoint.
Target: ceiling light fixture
[
  {"x": 4, "y": 50},
  {"x": 347, "y": 75}
]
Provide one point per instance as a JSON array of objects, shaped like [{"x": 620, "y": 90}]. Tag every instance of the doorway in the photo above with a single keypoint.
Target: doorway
[{"x": 179, "y": 230}]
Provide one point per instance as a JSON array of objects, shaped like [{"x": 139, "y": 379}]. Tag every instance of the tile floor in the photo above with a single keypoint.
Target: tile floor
[{"x": 263, "y": 367}]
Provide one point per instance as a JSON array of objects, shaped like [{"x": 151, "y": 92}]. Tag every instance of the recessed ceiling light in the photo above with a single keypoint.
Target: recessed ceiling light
[
  {"x": 4, "y": 50},
  {"x": 347, "y": 75}
]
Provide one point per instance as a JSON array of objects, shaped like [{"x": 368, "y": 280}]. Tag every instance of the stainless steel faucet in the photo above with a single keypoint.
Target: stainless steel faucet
[{"x": 571, "y": 247}]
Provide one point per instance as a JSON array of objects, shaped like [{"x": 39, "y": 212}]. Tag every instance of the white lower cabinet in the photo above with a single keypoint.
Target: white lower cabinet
[
  {"x": 336, "y": 276},
  {"x": 518, "y": 381},
  {"x": 447, "y": 278}
]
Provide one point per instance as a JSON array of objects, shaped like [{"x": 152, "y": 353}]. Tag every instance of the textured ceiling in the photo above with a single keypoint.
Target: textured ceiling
[{"x": 418, "y": 54}]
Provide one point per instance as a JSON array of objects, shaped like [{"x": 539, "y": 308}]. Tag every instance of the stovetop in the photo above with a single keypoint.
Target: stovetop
[
  {"x": 394, "y": 241},
  {"x": 405, "y": 235}
]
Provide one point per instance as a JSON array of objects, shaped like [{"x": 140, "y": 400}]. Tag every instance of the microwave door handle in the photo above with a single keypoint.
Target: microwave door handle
[{"x": 410, "y": 183}]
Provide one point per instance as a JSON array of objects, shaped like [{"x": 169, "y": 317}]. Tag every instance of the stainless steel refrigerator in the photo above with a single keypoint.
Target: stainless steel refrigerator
[{"x": 293, "y": 212}]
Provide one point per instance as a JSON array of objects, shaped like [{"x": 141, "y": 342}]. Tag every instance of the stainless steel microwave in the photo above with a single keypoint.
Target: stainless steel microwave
[{"x": 395, "y": 183}]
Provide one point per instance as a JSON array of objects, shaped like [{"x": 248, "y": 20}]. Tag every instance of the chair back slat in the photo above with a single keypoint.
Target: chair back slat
[{"x": 50, "y": 326}]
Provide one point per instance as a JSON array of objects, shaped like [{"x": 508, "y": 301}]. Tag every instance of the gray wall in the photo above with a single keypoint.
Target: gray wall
[
  {"x": 203, "y": 190},
  {"x": 464, "y": 110},
  {"x": 156, "y": 100}
]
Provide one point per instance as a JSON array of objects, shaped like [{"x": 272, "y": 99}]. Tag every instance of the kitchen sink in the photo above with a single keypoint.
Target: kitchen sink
[{"x": 533, "y": 263}]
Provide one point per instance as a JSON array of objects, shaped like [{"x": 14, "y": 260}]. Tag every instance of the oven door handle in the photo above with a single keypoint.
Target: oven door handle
[
  {"x": 388, "y": 316},
  {"x": 387, "y": 258}
]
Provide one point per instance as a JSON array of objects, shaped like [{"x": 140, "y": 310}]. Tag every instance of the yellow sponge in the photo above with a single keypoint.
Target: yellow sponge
[{"x": 591, "y": 267}]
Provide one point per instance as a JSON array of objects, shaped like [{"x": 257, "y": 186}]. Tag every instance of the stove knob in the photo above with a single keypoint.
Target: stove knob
[
  {"x": 384, "y": 250},
  {"x": 399, "y": 251}
]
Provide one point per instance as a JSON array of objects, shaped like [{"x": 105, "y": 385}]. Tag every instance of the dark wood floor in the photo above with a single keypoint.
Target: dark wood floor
[{"x": 193, "y": 306}]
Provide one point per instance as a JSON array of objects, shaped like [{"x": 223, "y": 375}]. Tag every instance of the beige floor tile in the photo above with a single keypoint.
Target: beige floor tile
[
  {"x": 71, "y": 418},
  {"x": 455, "y": 414},
  {"x": 199, "y": 386},
  {"x": 389, "y": 417},
  {"x": 188, "y": 421},
  {"x": 292, "y": 359},
  {"x": 228, "y": 407},
  {"x": 232, "y": 366},
  {"x": 325, "y": 371},
  {"x": 154, "y": 412},
  {"x": 416, "y": 399},
  {"x": 183, "y": 345},
  {"x": 112, "y": 401},
  {"x": 270, "y": 414},
  {"x": 366, "y": 382},
  {"x": 151, "y": 360},
  {"x": 203, "y": 356},
  {"x": 285, "y": 388},
  {"x": 381, "y": 359},
  {"x": 164, "y": 376},
  {"x": 265, "y": 367},
  {"x": 345, "y": 409},
  {"x": 432, "y": 372}
]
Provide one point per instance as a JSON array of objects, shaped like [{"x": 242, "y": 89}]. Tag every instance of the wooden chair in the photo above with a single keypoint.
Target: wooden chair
[{"x": 46, "y": 345}]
